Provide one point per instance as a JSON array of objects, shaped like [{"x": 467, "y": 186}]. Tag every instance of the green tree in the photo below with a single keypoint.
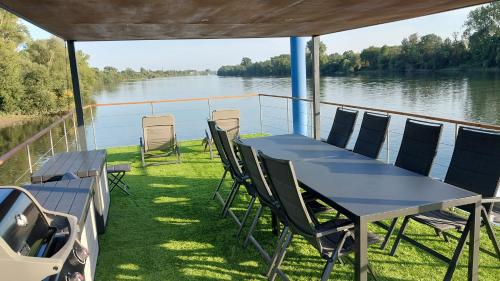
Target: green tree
[
  {"x": 11, "y": 88},
  {"x": 11, "y": 29},
  {"x": 370, "y": 57},
  {"x": 246, "y": 62},
  {"x": 483, "y": 34}
]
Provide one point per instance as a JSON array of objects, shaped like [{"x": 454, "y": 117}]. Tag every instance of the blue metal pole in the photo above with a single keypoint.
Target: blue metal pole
[{"x": 299, "y": 86}]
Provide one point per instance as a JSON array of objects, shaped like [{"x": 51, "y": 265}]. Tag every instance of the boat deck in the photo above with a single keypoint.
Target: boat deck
[{"x": 171, "y": 229}]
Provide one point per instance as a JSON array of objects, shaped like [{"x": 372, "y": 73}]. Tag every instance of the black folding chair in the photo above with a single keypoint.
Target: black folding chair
[
  {"x": 333, "y": 238},
  {"x": 266, "y": 198},
  {"x": 222, "y": 155},
  {"x": 342, "y": 127},
  {"x": 416, "y": 153},
  {"x": 474, "y": 166},
  {"x": 372, "y": 134},
  {"x": 239, "y": 176}
]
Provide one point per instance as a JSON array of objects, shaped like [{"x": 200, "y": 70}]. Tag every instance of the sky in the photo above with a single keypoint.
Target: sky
[{"x": 211, "y": 54}]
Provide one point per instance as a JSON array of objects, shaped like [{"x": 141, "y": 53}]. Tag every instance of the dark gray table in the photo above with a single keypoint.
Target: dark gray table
[
  {"x": 84, "y": 164},
  {"x": 367, "y": 190}
]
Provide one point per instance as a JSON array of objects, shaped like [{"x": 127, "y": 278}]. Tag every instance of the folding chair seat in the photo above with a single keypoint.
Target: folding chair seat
[{"x": 159, "y": 135}]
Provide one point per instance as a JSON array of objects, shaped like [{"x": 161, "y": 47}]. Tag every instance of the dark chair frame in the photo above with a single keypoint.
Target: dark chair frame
[
  {"x": 338, "y": 232},
  {"x": 416, "y": 131},
  {"x": 266, "y": 198},
  {"x": 342, "y": 127},
  {"x": 212, "y": 126},
  {"x": 239, "y": 178},
  {"x": 455, "y": 221},
  {"x": 367, "y": 118}
]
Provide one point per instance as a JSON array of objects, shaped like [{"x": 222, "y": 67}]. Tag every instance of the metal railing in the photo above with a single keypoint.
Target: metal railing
[{"x": 273, "y": 116}]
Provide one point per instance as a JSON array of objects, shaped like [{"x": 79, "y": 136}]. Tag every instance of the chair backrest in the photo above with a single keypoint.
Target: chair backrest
[
  {"x": 419, "y": 146},
  {"x": 475, "y": 163},
  {"x": 227, "y": 146},
  {"x": 158, "y": 132},
  {"x": 342, "y": 127},
  {"x": 281, "y": 174},
  {"x": 372, "y": 134},
  {"x": 228, "y": 120},
  {"x": 218, "y": 145},
  {"x": 254, "y": 171}
]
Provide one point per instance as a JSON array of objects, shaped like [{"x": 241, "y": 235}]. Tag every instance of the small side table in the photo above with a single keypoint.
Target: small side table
[{"x": 116, "y": 174}]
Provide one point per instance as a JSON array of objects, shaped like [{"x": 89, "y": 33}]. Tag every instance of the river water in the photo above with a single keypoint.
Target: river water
[{"x": 472, "y": 97}]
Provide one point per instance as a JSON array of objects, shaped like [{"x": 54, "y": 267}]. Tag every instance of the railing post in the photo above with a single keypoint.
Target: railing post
[
  {"x": 287, "y": 116},
  {"x": 29, "y": 158},
  {"x": 65, "y": 135},
  {"x": 260, "y": 115},
  {"x": 209, "y": 109},
  {"x": 93, "y": 126},
  {"x": 76, "y": 133},
  {"x": 387, "y": 155},
  {"x": 152, "y": 109},
  {"x": 456, "y": 131},
  {"x": 51, "y": 143}
]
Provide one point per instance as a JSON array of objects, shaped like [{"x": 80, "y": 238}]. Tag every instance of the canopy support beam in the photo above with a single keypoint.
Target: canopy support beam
[
  {"x": 82, "y": 139},
  {"x": 299, "y": 85},
  {"x": 316, "y": 88}
]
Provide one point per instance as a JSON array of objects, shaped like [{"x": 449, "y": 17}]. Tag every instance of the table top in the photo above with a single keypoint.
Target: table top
[
  {"x": 66, "y": 196},
  {"x": 358, "y": 186},
  {"x": 81, "y": 163}
]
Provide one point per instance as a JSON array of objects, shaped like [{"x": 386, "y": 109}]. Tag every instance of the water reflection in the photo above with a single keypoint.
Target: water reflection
[{"x": 472, "y": 97}]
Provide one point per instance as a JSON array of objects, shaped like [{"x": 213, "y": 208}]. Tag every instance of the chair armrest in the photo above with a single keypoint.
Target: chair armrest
[
  {"x": 490, "y": 200},
  {"x": 437, "y": 179},
  {"x": 343, "y": 226}
]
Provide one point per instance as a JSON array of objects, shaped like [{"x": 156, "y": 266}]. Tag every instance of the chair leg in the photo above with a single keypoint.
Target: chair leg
[
  {"x": 491, "y": 233},
  {"x": 254, "y": 224},
  {"x": 230, "y": 199},
  {"x": 142, "y": 157},
  {"x": 458, "y": 252},
  {"x": 389, "y": 233},
  {"x": 400, "y": 234},
  {"x": 281, "y": 257},
  {"x": 245, "y": 217},
  {"x": 211, "y": 150},
  {"x": 220, "y": 183},
  {"x": 327, "y": 270},
  {"x": 277, "y": 251}
]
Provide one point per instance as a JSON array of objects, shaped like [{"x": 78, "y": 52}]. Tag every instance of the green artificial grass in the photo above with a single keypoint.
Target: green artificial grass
[{"x": 171, "y": 229}]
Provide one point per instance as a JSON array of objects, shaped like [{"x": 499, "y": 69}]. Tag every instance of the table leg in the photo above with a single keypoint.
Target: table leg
[
  {"x": 475, "y": 215},
  {"x": 361, "y": 250}
]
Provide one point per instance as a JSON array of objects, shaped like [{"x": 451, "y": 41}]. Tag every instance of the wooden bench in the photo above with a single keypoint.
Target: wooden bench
[
  {"x": 74, "y": 197},
  {"x": 83, "y": 164}
]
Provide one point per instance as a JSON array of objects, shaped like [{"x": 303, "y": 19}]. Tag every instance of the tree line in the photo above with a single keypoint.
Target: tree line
[
  {"x": 478, "y": 47},
  {"x": 35, "y": 76}
]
